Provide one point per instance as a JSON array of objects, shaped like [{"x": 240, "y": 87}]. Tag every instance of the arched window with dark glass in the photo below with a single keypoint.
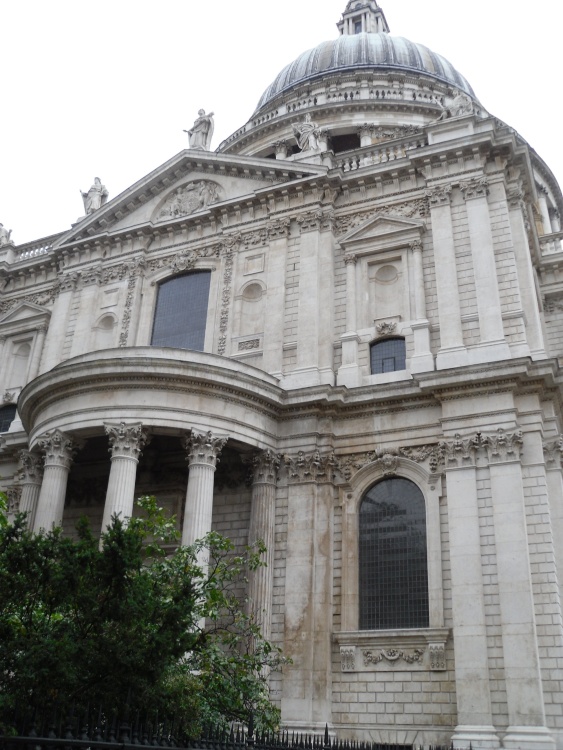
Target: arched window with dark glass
[
  {"x": 393, "y": 580},
  {"x": 7, "y": 416},
  {"x": 181, "y": 311},
  {"x": 388, "y": 355}
]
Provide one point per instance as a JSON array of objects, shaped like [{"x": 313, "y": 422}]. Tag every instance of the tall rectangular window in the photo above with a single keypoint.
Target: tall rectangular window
[{"x": 181, "y": 312}]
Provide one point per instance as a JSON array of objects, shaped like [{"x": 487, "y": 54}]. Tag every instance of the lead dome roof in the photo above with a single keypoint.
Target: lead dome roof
[{"x": 379, "y": 51}]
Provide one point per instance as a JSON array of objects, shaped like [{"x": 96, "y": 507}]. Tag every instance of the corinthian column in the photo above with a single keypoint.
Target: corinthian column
[
  {"x": 203, "y": 454},
  {"x": 59, "y": 450},
  {"x": 262, "y": 524},
  {"x": 30, "y": 475},
  {"x": 126, "y": 441}
]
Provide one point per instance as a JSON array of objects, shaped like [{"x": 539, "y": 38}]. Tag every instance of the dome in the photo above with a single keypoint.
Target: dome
[{"x": 365, "y": 51}]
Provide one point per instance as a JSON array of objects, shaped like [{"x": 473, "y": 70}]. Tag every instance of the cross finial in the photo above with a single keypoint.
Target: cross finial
[{"x": 363, "y": 16}]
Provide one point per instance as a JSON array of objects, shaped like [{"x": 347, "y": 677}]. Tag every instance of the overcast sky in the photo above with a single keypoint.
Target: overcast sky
[{"x": 105, "y": 88}]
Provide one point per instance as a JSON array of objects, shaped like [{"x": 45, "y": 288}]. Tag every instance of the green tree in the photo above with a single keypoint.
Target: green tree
[{"x": 119, "y": 623}]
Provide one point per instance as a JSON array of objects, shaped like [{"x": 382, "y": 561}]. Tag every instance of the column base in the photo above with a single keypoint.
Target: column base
[
  {"x": 304, "y": 377},
  {"x": 528, "y": 738},
  {"x": 450, "y": 358},
  {"x": 476, "y": 736},
  {"x": 489, "y": 351},
  {"x": 349, "y": 375},
  {"x": 422, "y": 363}
]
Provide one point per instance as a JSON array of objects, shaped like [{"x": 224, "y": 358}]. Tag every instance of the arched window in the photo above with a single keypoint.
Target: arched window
[
  {"x": 393, "y": 574},
  {"x": 104, "y": 332},
  {"x": 181, "y": 311},
  {"x": 7, "y": 416},
  {"x": 388, "y": 355},
  {"x": 18, "y": 376}
]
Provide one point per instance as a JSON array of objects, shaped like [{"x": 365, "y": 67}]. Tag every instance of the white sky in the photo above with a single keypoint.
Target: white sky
[{"x": 105, "y": 88}]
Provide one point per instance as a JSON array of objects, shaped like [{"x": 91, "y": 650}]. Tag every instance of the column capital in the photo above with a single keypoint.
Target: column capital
[
  {"x": 204, "y": 449},
  {"x": 416, "y": 246},
  {"x": 264, "y": 467},
  {"x": 126, "y": 440},
  {"x": 439, "y": 195},
  {"x": 30, "y": 469},
  {"x": 460, "y": 453},
  {"x": 553, "y": 453},
  {"x": 476, "y": 188},
  {"x": 350, "y": 259},
  {"x": 503, "y": 447},
  {"x": 58, "y": 447}
]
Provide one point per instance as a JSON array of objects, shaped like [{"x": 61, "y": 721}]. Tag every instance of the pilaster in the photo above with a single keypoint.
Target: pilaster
[
  {"x": 493, "y": 345},
  {"x": 422, "y": 359},
  {"x": 349, "y": 371},
  {"x": 452, "y": 350}
]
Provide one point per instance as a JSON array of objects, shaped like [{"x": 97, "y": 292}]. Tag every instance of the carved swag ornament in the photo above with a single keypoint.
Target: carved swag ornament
[{"x": 195, "y": 196}]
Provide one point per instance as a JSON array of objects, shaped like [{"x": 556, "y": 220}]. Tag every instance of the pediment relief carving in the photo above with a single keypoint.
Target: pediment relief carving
[{"x": 196, "y": 195}]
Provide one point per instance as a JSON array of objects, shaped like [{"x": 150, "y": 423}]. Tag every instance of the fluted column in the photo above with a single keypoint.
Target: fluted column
[
  {"x": 59, "y": 450},
  {"x": 452, "y": 350},
  {"x": 203, "y": 454},
  {"x": 262, "y": 525},
  {"x": 30, "y": 476},
  {"x": 126, "y": 441}
]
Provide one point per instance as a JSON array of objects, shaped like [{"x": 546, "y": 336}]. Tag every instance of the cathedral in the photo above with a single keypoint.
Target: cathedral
[{"x": 341, "y": 333}]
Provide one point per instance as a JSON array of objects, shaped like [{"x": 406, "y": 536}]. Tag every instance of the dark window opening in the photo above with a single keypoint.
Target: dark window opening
[
  {"x": 181, "y": 312},
  {"x": 357, "y": 27},
  {"x": 347, "y": 142},
  {"x": 388, "y": 355},
  {"x": 7, "y": 416},
  {"x": 393, "y": 580}
]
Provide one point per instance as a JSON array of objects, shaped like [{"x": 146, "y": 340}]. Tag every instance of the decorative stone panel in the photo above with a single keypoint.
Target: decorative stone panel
[{"x": 422, "y": 650}]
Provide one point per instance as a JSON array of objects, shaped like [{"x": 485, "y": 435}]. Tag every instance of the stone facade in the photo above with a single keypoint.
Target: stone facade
[{"x": 411, "y": 215}]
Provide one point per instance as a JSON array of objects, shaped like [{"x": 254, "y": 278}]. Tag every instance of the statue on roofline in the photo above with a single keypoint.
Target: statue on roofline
[
  {"x": 95, "y": 197},
  {"x": 5, "y": 236},
  {"x": 461, "y": 105},
  {"x": 307, "y": 134},
  {"x": 201, "y": 132}
]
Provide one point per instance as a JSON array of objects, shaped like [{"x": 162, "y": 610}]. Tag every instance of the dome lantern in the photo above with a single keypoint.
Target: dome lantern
[{"x": 363, "y": 16}]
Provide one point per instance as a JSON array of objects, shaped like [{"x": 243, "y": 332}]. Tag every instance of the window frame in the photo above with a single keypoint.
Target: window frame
[
  {"x": 379, "y": 342},
  {"x": 352, "y": 496},
  {"x": 5, "y": 407}
]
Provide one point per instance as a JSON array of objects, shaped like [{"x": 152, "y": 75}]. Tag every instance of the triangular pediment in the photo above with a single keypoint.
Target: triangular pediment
[
  {"x": 23, "y": 314},
  {"x": 190, "y": 184},
  {"x": 384, "y": 227}
]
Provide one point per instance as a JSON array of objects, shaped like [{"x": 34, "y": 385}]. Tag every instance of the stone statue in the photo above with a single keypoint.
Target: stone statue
[
  {"x": 201, "y": 132},
  {"x": 461, "y": 105},
  {"x": 307, "y": 134},
  {"x": 5, "y": 235},
  {"x": 95, "y": 197}
]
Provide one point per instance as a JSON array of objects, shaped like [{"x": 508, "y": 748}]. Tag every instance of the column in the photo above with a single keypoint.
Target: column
[
  {"x": 546, "y": 218},
  {"x": 203, "y": 454},
  {"x": 493, "y": 345},
  {"x": 2, "y": 358},
  {"x": 262, "y": 527},
  {"x": 349, "y": 372},
  {"x": 524, "y": 692},
  {"x": 422, "y": 359},
  {"x": 475, "y": 724},
  {"x": 530, "y": 303},
  {"x": 37, "y": 352},
  {"x": 30, "y": 476},
  {"x": 126, "y": 442},
  {"x": 306, "y": 695},
  {"x": 59, "y": 450},
  {"x": 14, "y": 500},
  {"x": 452, "y": 350}
]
